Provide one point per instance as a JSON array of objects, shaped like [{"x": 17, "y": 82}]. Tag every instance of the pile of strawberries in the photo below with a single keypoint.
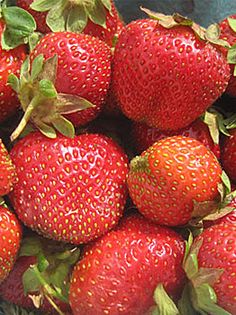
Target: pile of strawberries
[{"x": 117, "y": 162}]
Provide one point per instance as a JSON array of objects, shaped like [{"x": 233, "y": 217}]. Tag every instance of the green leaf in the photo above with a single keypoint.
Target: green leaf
[
  {"x": 69, "y": 103},
  {"x": 64, "y": 126},
  {"x": 34, "y": 39},
  {"x": 206, "y": 275},
  {"x": 232, "y": 23},
  {"x": 226, "y": 181},
  {"x": 46, "y": 130},
  {"x": 231, "y": 55},
  {"x": 211, "y": 119},
  {"x": 47, "y": 88},
  {"x": 230, "y": 122},
  {"x": 25, "y": 68},
  {"x": 60, "y": 274},
  {"x": 164, "y": 303},
  {"x": 107, "y": 4},
  {"x": 30, "y": 246},
  {"x": 19, "y": 26},
  {"x": 37, "y": 66},
  {"x": 77, "y": 19},
  {"x": 213, "y": 36},
  {"x": 191, "y": 263},
  {"x": 57, "y": 17},
  {"x": 97, "y": 13},
  {"x": 184, "y": 304},
  {"x": 14, "y": 82},
  {"x": 43, "y": 5},
  {"x": 30, "y": 281},
  {"x": 49, "y": 70},
  {"x": 43, "y": 263},
  {"x": 188, "y": 245}
]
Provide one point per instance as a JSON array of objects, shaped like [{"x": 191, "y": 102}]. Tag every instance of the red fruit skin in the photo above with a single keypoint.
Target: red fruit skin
[
  {"x": 144, "y": 136},
  {"x": 7, "y": 171},
  {"x": 71, "y": 190},
  {"x": 11, "y": 62},
  {"x": 40, "y": 17},
  {"x": 228, "y": 155},
  {"x": 10, "y": 238},
  {"x": 218, "y": 251},
  {"x": 85, "y": 62},
  {"x": 12, "y": 289},
  {"x": 229, "y": 35},
  {"x": 166, "y": 78},
  {"x": 119, "y": 272},
  {"x": 179, "y": 171}
]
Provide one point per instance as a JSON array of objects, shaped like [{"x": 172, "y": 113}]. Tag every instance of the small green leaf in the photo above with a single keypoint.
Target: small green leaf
[
  {"x": 43, "y": 5},
  {"x": 19, "y": 26},
  {"x": 226, "y": 181},
  {"x": 107, "y": 4},
  {"x": 49, "y": 70},
  {"x": 97, "y": 13},
  {"x": 164, "y": 303},
  {"x": 211, "y": 119},
  {"x": 184, "y": 304},
  {"x": 232, "y": 23},
  {"x": 188, "y": 245},
  {"x": 42, "y": 262},
  {"x": 206, "y": 275},
  {"x": 46, "y": 130},
  {"x": 191, "y": 263},
  {"x": 213, "y": 35},
  {"x": 14, "y": 82},
  {"x": 60, "y": 274},
  {"x": 64, "y": 126},
  {"x": 57, "y": 17},
  {"x": 25, "y": 68},
  {"x": 30, "y": 281},
  {"x": 34, "y": 39},
  {"x": 77, "y": 19},
  {"x": 231, "y": 55},
  {"x": 230, "y": 122},
  {"x": 30, "y": 246},
  {"x": 37, "y": 66},
  {"x": 47, "y": 88},
  {"x": 69, "y": 103}
]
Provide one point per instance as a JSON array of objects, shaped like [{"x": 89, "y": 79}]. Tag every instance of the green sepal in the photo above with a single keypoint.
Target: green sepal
[
  {"x": 213, "y": 36},
  {"x": 43, "y": 5},
  {"x": 19, "y": 26},
  {"x": 43, "y": 263},
  {"x": 190, "y": 263},
  {"x": 211, "y": 119},
  {"x": 37, "y": 66},
  {"x": 14, "y": 82},
  {"x": 47, "y": 88},
  {"x": 231, "y": 55},
  {"x": 184, "y": 304},
  {"x": 164, "y": 304},
  {"x": 57, "y": 16},
  {"x": 69, "y": 103},
  {"x": 25, "y": 69},
  {"x": 77, "y": 20},
  {"x": 64, "y": 126},
  {"x": 230, "y": 122},
  {"x": 11, "y": 309},
  {"x": 232, "y": 23},
  {"x": 188, "y": 245},
  {"x": 30, "y": 281},
  {"x": 96, "y": 13},
  {"x": 34, "y": 39},
  {"x": 107, "y": 5},
  {"x": 31, "y": 246},
  {"x": 49, "y": 70},
  {"x": 46, "y": 130},
  {"x": 203, "y": 208},
  {"x": 226, "y": 181}
]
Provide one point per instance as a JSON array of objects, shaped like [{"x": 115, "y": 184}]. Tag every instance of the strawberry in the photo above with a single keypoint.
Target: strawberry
[
  {"x": 144, "y": 136},
  {"x": 211, "y": 268},
  {"x": 228, "y": 155},
  {"x": 11, "y": 61},
  {"x": 228, "y": 32},
  {"x": 166, "y": 74},
  {"x": 72, "y": 190},
  {"x": 170, "y": 179},
  {"x": 97, "y": 18},
  {"x": 7, "y": 171},
  {"x": 10, "y": 232},
  {"x": 119, "y": 272}
]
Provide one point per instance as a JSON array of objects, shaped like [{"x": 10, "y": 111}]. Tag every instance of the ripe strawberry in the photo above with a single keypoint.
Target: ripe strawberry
[
  {"x": 228, "y": 155},
  {"x": 227, "y": 33},
  {"x": 7, "y": 171},
  {"x": 96, "y": 19},
  {"x": 119, "y": 272},
  {"x": 169, "y": 179},
  {"x": 167, "y": 77},
  {"x": 72, "y": 190},
  {"x": 214, "y": 249},
  {"x": 144, "y": 136},
  {"x": 85, "y": 63},
  {"x": 11, "y": 61},
  {"x": 10, "y": 232}
]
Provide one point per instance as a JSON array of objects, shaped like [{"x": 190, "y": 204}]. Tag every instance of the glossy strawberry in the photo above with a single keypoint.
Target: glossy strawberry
[
  {"x": 7, "y": 171},
  {"x": 229, "y": 34},
  {"x": 118, "y": 273},
  {"x": 72, "y": 190},
  {"x": 169, "y": 179},
  {"x": 166, "y": 77},
  {"x": 10, "y": 238},
  {"x": 229, "y": 155},
  {"x": 144, "y": 136},
  {"x": 10, "y": 63}
]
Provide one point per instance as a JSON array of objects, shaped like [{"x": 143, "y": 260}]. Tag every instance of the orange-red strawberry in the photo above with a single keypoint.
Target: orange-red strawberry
[
  {"x": 171, "y": 177},
  {"x": 168, "y": 76},
  {"x": 10, "y": 238},
  {"x": 11, "y": 61},
  {"x": 72, "y": 190},
  {"x": 144, "y": 136},
  {"x": 119, "y": 272},
  {"x": 7, "y": 171},
  {"x": 228, "y": 155}
]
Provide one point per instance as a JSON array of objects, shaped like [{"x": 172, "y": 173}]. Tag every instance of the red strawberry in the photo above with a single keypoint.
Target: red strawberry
[
  {"x": 7, "y": 171},
  {"x": 119, "y": 272},
  {"x": 228, "y": 155},
  {"x": 10, "y": 63},
  {"x": 227, "y": 33},
  {"x": 144, "y": 136},
  {"x": 167, "y": 77},
  {"x": 72, "y": 190},
  {"x": 215, "y": 250},
  {"x": 10, "y": 237},
  {"x": 169, "y": 179},
  {"x": 96, "y": 19}
]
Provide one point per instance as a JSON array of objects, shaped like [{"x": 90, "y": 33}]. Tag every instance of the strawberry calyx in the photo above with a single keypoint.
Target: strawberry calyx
[
  {"x": 211, "y": 34},
  {"x": 199, "y": 294},
  {"x": 48, "y": 278},
  {"x": 140, "y": 164},
  {"x": 73, "y": 15},
  {"x": 40, "y": 101},
  {"x": 19, "y": 26}
]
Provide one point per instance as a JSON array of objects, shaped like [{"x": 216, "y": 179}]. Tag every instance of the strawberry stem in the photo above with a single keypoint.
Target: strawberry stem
[{"x": 54, "y": 305}]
